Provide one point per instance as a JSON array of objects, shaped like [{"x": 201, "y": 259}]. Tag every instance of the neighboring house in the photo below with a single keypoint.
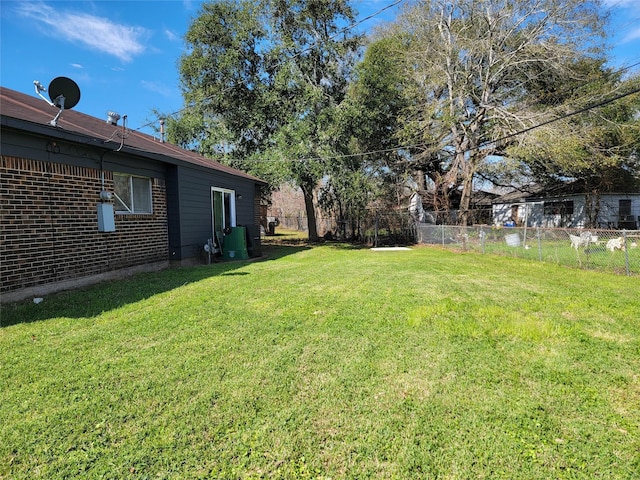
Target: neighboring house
[
  {"x": 567, "y": 207},
  {"x": 480, "y": 209},
  {"x": 89, "y": 199}
]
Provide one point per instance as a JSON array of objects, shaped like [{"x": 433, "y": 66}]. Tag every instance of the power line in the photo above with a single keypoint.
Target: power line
[
  {"x": 563, "y": 117},
  {"x": 410, "y": 147},
  {"x": 482, "y": 145},
  {"x": 347, "y": 28}
]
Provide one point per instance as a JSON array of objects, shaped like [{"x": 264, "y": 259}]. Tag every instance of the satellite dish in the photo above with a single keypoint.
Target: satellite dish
[{"x": 64, "y": 92}]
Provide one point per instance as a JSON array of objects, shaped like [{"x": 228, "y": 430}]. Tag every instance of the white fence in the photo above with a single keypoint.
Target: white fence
[{"x": 615, "y": 251}]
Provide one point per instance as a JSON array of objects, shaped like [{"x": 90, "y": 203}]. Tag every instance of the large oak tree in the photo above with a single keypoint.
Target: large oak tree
[{"x": 469, "y": 67}]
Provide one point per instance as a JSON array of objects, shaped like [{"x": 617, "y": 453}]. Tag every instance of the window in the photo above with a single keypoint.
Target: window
[
  {"x": 558, "y": 208},
  {"x": 132, "y": 194},
  {"x": 624, "y": 207}
]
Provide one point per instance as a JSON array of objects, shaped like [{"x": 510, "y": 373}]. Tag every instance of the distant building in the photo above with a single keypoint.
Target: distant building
[{"x": 567, "y": 206}]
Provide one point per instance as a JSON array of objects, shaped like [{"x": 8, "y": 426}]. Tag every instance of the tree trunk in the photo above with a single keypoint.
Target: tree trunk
[
  {"x": 465, "y": 199},
  {"x": 467, "y": 189},
  {"x": 592, "y": 208},
  {"x": 309, "y": 206}
]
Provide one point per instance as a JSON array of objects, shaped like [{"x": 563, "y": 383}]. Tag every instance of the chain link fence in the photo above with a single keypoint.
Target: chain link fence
[
  {"x": 388, "y": 228},
  {"x": 615, "y": 251}
]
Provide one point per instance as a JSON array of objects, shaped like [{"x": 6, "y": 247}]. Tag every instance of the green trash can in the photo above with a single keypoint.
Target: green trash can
[{"x": 234, "y": 244}]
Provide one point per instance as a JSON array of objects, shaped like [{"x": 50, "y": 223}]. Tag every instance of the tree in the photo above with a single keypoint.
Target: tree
[
  {"x": 318, "y": 61},
  {"x": 263, "y": 78},
  {"x": 222, "y": 80},
  {"x": 469, "y": 64},
  {"x": 598, "y": 148},
  {"x": 363, "y": 130}
]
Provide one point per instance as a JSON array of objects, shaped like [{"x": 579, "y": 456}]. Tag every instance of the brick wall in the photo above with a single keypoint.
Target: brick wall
[{"x": 49, "y": 225}]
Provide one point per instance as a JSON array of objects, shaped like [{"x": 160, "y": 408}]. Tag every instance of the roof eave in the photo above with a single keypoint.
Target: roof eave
[{"x": 58, "y": 133}]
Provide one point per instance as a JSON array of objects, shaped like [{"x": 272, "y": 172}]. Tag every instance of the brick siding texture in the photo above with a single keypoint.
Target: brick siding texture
[{"x": 49, "y": 225}]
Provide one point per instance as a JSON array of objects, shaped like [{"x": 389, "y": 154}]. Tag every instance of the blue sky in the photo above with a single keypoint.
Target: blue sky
[{"x": 124, "y": 54}]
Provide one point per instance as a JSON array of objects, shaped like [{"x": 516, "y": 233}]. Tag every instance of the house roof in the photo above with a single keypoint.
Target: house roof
[
  {"x": 526, "y": 193},
  {"x": 32, "y": 114},
  {"x": 536, "y": 192},
  {"x": 481, "y": 198}
]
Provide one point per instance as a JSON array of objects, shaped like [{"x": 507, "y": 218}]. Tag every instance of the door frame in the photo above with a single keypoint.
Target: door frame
[{"x": 231, "y": 222}]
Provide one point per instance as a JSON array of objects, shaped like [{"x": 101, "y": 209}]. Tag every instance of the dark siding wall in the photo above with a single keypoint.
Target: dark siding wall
[
  {"x": 195, "y": 205},
  {"x": 257, "y": 214},
  {"x": 245, "y": 208},
  {"x": 195, "y": 211},
  {"x": 23, "y": 145}
]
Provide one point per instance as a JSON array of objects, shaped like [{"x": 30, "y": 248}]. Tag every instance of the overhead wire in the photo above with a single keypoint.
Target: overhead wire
[
  {"x": 413, "y": 146},
  {"x": 409, "y": 147},
  {"x": 349, "y": 27},
  {"x": 483, "y": 144},
  {"x": 563, "y": 117},
  {"x": 619, "y": 71},
  {"x": 352, "y": 25}
]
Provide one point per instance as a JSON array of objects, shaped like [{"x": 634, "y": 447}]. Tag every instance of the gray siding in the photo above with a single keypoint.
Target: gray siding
[{"x": 195, "y": 206}]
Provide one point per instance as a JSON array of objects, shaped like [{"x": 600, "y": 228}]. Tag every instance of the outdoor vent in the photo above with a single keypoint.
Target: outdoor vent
[{"x": 113, "y": 117}]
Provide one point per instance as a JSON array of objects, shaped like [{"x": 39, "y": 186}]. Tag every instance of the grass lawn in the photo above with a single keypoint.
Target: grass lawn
[
  {"x": 286, "y": 236},
  {"x": 328, "y": 362}
]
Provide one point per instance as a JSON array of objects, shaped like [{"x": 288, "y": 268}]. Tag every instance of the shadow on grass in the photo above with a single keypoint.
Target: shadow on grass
[
  {"x": 105, "y": 296},
  {"x": 337, "y": 244}
]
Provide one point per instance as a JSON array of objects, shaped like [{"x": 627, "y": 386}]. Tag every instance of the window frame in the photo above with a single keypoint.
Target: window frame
[{"x": 120, "y": 202}]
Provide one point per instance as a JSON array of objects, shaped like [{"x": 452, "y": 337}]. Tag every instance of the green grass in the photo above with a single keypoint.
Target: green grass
[
  {"x": 285, "y": 236},
  {"x": 328, "y": 362}
]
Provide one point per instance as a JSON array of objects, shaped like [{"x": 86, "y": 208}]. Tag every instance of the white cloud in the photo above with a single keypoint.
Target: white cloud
[
  {"x": 97, "y": 33},
  {"x": 156, "y": 87},
  {"x": 617, "y": 3},
  {"x": 634, "y": 34},
  {"x": 171, "y": 36},
  {"x": 76, "y": 65}
]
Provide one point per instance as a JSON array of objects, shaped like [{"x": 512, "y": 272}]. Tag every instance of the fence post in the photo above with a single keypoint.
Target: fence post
[
  {"x": 539, "y": 243},
  {"x": 626, "y": 253},
  {"x": 443, "y": 225},
  {"x": 482, "y": 238}
]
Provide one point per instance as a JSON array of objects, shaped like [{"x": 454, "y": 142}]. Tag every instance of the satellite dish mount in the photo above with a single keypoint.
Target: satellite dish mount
[{"x": 63, "y": 92}]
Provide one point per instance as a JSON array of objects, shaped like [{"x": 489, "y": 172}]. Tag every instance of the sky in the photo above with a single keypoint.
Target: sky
[{"x": 124, "y": 54}]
